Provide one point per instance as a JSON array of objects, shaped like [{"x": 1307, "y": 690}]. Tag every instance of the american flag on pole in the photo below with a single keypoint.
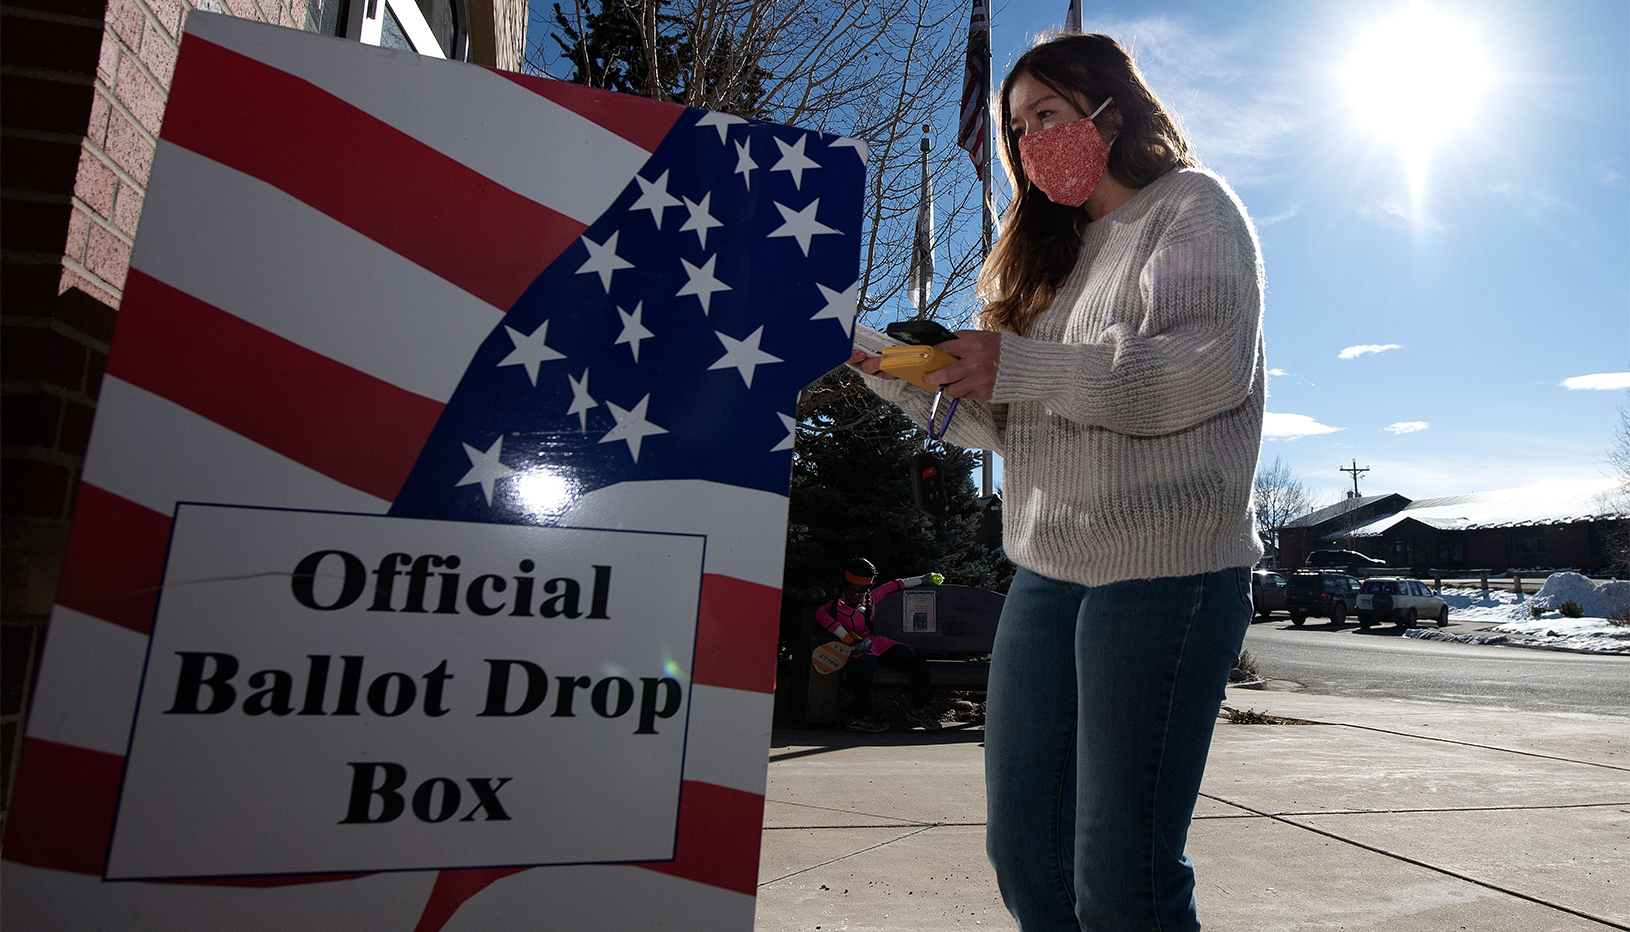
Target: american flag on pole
[
  {"x": 370, "y": 283},
  {"x": 972, "y": 130}
]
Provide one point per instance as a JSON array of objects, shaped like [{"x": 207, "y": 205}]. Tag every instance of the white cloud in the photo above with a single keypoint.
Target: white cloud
[
  {"x": 1292, "y": 426},
  {"x": 1282, "y": 215},
  {"x": 1234, "y": 110},
  {"x": 1395, "y": 214},
  {"x": 1536, "y": 203},
  {"x": 1353, "y": 352},
  {"x": 1601, "y": 381},
  {"x": 1407, "y": 427},
  {"x": 1278, "y": 372}
]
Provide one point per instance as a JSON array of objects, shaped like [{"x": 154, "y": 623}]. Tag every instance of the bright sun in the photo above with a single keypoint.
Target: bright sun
[{"x": 1417, "y": 78}]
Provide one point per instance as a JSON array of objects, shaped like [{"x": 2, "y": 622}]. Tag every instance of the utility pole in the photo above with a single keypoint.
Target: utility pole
[{"x": 1356, "y": 471}]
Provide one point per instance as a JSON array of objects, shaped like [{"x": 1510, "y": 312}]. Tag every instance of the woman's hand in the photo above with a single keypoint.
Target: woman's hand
[{"x": 973, "y": 375}]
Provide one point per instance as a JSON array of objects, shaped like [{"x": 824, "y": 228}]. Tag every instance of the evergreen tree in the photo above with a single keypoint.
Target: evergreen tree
[{"x": 851, "y": 496}]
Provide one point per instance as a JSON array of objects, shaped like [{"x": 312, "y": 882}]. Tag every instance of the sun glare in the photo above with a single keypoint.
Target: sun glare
[{"x": 1418, "y": 78}]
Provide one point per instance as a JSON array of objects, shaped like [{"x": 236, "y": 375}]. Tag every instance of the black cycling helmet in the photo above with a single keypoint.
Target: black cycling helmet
[{"x": 858, "y": 576}]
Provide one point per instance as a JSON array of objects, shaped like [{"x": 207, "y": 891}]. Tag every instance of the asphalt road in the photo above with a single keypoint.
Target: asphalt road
[{"x": 1343, "y": 661}]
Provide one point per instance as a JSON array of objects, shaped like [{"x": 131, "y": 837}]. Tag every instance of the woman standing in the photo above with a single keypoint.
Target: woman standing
[{"x": 1120, "y": 373}]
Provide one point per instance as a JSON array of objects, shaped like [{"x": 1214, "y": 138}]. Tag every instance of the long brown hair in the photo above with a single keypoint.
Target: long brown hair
[{"x": 1040, "y": 239}]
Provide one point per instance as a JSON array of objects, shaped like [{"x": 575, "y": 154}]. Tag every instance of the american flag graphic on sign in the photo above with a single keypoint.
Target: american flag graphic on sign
[{"x": 370, "y": 283}]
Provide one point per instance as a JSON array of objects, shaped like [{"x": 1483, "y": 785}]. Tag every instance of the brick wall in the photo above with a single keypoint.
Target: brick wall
[{"x": 82, "y": 91}]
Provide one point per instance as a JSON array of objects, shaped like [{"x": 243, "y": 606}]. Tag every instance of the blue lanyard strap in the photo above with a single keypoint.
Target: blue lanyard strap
[{"x": 936, "y": 432}]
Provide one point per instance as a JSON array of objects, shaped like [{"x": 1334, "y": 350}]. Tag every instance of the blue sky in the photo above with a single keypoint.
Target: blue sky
[
  {"x": 1425, "y": 329},
  {"x": 1424, "y": 324}
]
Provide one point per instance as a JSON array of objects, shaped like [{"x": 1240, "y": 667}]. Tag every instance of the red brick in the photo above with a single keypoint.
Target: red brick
[
  {"x": 30, "y": 226},
  {"x": 86, "y": 314},
  {"x": 52, "y": 44},
  {"x": 270, "y": 11},
  {"x": 96, "y": 185},
  {"x": 96, "y": 366},
  {"x": 139, "y": 94},
  {"x": 28, "y": 290},
  {"x": 128, "y": 148},
  {"x": 158, "y": 55},
  {"x": 31, "y": 489},
  {"x": 39, "y": 165},
  {"x": 46, "y": 104},
  {"x": 169, "y": 16},
  {"x": 97, "y": 130},
  {"x": 107, "y": 64},
  {"x": 30, "y": 420},
  {"x": 69, "y": 280},
  {"x": 127, "y": 210},
  {"x": 37, "y": 354},
  {"x": 75, "y": 434},
  {"x": 243, "y": 9},
  {"x": 79, "y": 232},
  {"x": 125, "y": 19},
  {"x": 89, "y": 9},
  {"x": 107, "y": 257}
]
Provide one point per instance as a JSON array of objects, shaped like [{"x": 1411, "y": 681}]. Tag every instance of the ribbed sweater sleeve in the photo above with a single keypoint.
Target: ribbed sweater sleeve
[
  {"x": 1185, "y": 353},
  {"x": 1130, "y": 414}
]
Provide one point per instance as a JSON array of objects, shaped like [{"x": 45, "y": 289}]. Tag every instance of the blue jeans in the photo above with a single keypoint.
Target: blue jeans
[{"x": 1100, "y": 709}]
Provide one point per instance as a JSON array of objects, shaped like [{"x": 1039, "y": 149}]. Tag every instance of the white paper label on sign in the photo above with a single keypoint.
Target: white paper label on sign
[{"x": 335, "y": 692}]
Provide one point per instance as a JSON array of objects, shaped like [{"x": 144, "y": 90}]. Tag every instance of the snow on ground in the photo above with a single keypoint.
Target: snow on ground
[{"x": 1512, "y": 619}]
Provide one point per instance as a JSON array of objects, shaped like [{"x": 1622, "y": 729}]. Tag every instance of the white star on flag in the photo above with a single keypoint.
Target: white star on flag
[
  {"x": 700, "y": 220},
  {"x": 791, "y": 424},
  {"x": 859, "y": 145},
  {"x": 744, "y": 162},
  {"x": 485, "y": 469},
  {"x": 720, "y": 121},
  {"x": 841, "y": 306},
  {"x": 632, "y": 427},
  {"x": 654, "y": 197},
  {"x": 603, "y": 258},
  {"x": 743, "y": 355},
  {"x": 801, "y": 224},
  {"x": 633, "y": 330},
  {"x": 702, "y": 284},
  {"x": 530, "y": 350},
  {"x": 794, "y": 160},
  {"x": 581, "y": 400}
]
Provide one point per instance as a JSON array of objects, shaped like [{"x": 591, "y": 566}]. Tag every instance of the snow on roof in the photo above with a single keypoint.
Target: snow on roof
[
  {"x": 1545, "y": 503},
  {"x": 1339, "y": 508}
]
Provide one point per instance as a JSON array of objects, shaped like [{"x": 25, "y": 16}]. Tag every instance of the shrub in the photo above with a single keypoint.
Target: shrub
[
  {"x": 1620, "y": 616},
  {"x": 1571, "y": 609},
  {"x": 1536, "y": 610}
]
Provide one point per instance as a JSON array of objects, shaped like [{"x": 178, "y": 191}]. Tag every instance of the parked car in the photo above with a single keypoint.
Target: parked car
[
  {"x": 1267, "y": 592},
  {"x": 1328, "y": 595},
  {"x": 1347, "y": 561},
  {"x": 1404, "y": 601}
]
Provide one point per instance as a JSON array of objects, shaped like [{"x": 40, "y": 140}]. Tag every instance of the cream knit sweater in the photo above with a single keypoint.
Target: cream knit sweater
[{"x": 1130, "y": 418}]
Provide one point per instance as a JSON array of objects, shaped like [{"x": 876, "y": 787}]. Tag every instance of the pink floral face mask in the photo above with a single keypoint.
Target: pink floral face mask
[{"x": 1066, "y": 161}]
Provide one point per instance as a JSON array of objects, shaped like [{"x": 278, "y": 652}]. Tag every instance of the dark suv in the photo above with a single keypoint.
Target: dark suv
[
  {"x": 1326, "y": 594},
  {"x": 1347, "y": 561}
]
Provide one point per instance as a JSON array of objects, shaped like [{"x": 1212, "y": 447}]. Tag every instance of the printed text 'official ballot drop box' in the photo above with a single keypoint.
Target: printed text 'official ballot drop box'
[{"x": 425, "y": 571}]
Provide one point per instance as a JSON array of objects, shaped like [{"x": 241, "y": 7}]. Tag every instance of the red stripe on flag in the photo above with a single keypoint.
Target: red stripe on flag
[
  {"x": 453, "y": 888},
  {"x": 736, "y": 634},
  {"x": 368, "y": 175},
  {"x": 346, "y": 424},
  {"x": 115, "y": 559},
  {"x": 641, "y": 121},
  {"x": 719, "y": 833},
  {"x": 62, "y": 807}
]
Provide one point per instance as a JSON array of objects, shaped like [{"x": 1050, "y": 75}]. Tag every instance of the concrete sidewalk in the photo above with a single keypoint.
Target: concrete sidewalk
[{"x": 1386, "y": 815}]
